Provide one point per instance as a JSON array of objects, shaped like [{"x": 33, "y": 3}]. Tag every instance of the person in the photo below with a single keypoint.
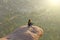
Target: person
[{"x": 30, "y": 23}]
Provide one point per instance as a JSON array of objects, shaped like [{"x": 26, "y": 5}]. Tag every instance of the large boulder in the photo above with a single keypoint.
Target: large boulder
[{"x": 25, "y": 33}]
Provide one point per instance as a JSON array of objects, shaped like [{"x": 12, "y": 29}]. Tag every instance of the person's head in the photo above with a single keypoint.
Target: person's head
[{"x": 29, "y": 20}]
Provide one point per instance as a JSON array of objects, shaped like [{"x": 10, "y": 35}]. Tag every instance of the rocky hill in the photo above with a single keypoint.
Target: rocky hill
[{"x": 25, "y": 33}]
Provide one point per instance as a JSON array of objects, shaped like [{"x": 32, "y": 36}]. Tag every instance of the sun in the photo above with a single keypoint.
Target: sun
[{"x": 54, "y": 2}]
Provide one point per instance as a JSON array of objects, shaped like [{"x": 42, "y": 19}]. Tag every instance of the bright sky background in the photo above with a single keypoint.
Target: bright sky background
[{"x": 53, "y": 3}]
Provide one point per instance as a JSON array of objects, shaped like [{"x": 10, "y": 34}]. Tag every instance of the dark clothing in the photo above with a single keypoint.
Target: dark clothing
[{"x": 30, "y": 24}]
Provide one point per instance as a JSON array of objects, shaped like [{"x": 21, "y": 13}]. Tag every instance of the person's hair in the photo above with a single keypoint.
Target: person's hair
[{"x": 29, "y": 19}]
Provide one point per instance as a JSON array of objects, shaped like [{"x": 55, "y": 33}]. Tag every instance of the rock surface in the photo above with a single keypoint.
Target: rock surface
[{"x": 25, "y": 33}]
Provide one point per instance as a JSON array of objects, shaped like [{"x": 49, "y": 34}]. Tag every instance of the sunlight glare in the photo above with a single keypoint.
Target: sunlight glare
[{"x": 54, "y": 2}]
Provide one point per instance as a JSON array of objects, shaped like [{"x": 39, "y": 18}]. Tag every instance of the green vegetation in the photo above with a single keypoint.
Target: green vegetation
[
  {"x": 11, "y": 17},
  {"x": 51, "y": 28}
]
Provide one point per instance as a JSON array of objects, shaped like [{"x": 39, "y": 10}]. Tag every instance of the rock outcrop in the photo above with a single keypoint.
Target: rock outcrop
[{"x": 25, "y": 33}]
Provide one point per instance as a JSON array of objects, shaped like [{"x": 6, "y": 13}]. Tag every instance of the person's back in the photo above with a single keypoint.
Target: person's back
[{"x": 30, "y": 23}]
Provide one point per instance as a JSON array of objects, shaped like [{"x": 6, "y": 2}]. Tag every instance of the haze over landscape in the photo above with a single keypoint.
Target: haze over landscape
[{"x": 14, "y": 13}]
